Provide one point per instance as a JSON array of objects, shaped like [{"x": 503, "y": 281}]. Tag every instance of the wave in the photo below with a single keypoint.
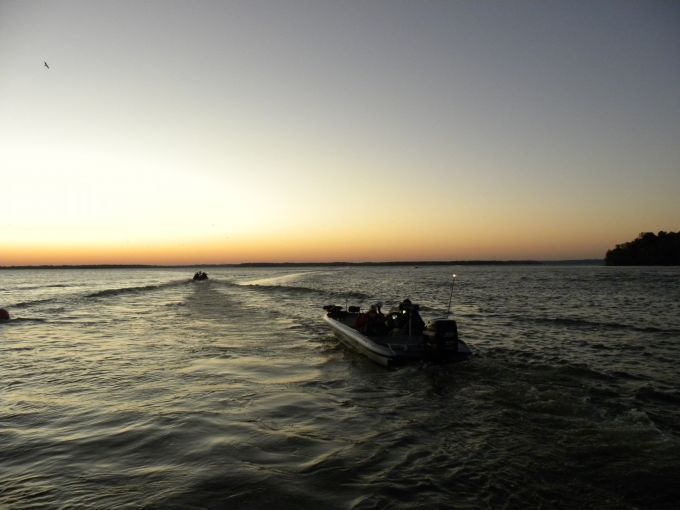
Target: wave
[
  {"x": 26, "y": 319},
  {"x": 511, "y": 363},
  {"x": 26, "y": 304},
  {"x": 306, "y": 290},
  {"x": 352, "y": 295},
  {"x": 585, "y": 323},
  {"x": 649, "y": 393},
  {"x": 131, "y": 290},
  {"x": 102, "y": 293},
  {"x": 273, "y": 280},
  {"x": 283, "y": 288},
  {"x": 52, "y": 286}
]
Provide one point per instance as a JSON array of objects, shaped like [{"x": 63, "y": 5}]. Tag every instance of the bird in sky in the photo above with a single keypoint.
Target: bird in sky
[{"x": 46, "y": 65}]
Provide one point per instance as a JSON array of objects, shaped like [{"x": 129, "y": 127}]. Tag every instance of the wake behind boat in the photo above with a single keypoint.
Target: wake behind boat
[{"x": 398, "y": 337}]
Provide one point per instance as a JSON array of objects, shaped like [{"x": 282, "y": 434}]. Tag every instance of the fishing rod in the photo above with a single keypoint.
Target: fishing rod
[{"x": 453, "y": 281}]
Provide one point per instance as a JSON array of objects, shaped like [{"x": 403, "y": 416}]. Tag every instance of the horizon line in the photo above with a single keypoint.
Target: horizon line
[{"x": 310, "y": 264}]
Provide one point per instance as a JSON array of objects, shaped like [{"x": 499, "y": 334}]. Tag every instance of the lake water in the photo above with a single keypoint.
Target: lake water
[{"x": 140, "y": 389}]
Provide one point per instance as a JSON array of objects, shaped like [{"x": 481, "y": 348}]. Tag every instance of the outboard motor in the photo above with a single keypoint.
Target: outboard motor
[{"x": 440, "y": 337}]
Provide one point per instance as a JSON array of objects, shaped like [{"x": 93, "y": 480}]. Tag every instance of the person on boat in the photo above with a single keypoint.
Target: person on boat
[
  {"x": 392, "y": 319},
  {"x": 409, "y": 322},
  {"x": 372, "y": 322},
  {"x": 375, "y": 323}
]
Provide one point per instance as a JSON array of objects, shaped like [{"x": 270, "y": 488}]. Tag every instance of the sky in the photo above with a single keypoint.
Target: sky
[{"x": 186, "y": 132}]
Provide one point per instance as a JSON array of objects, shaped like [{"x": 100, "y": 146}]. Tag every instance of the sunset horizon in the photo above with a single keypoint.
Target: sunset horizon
[
  {"x": 272, "y": 253},
  {"x": 276, "y": 131},
  {"x": 316, "y": 249}
]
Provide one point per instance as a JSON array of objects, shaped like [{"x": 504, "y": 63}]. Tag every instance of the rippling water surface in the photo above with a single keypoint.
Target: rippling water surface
[{"x": 142, "y": 389}]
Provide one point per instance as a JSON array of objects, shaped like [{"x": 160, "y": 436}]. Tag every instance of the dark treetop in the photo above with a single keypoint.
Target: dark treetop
[{"x": 649, "y": 249}]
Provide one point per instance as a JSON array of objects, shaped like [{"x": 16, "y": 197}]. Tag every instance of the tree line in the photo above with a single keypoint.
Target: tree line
[{"x": 648, "y": 249}]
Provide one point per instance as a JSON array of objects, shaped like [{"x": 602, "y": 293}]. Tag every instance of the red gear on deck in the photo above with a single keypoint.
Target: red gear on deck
[{"x": 4, "y": 315}]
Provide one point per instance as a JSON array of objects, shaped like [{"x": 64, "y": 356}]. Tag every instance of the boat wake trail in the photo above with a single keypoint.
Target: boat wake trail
[
  {"x": 326, "y": 295},
  {"x": 134, "y": 290}
]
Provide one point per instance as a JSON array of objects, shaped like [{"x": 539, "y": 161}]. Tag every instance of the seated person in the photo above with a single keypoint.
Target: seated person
[
  {"x": 360, "y": 324},
  {"x": 375, "y": 323},
  {"x": 371, "y": 322}
]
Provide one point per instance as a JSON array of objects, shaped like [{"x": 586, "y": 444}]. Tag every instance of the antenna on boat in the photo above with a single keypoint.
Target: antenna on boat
[{"x": 453, "y": 281}]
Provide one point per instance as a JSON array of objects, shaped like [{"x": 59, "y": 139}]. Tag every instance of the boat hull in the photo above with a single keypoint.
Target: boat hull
[{"x": 394, "y": 350}]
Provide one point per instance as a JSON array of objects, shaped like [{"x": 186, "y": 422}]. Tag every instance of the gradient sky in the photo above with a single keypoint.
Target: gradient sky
[{"x": 205, "y": 131}]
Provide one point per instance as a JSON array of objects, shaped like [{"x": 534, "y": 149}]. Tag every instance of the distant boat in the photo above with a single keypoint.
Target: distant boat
[
  {"x": 200, "y": 275},
  {"x": 438, "y": 341}
]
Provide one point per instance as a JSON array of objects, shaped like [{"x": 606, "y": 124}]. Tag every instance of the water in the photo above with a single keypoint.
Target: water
[{"x": 140, "y": 389}]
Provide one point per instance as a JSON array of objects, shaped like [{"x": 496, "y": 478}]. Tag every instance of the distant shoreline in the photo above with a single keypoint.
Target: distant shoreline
[{"x": 581, "y": 262}]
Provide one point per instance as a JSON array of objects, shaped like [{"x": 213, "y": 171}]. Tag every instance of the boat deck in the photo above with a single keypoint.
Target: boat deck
[{"x": 389, "y": 339}]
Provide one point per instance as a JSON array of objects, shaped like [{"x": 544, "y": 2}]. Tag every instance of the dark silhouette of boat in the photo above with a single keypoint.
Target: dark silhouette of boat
[{"x": 437, "y": 341}]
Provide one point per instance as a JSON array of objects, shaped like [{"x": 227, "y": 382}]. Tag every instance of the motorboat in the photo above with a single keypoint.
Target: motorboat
[
  {"x": 436, "y": 341},
  {"x": 200, "y": 275}
]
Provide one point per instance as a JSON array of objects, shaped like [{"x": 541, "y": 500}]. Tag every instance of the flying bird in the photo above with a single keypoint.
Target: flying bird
[{"x": 46, "y": 65}]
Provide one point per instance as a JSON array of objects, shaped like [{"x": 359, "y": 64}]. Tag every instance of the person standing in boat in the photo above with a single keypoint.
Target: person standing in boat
[{"x": 409, "y": 322}]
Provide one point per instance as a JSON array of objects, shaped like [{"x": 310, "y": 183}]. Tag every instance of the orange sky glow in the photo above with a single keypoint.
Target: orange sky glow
[{"x": 353, "y": 247}]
